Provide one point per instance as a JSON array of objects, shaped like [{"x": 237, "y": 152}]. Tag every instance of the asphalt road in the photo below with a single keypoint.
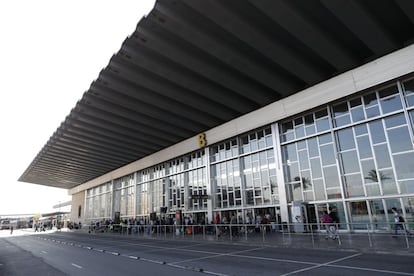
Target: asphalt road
[{"x": 89, "y": 254}]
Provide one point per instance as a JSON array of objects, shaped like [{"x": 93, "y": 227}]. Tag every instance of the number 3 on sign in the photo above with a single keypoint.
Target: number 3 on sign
[{"x": 202, "y": 142}]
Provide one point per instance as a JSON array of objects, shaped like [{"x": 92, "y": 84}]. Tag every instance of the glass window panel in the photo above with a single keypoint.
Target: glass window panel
[
  {"x": 303, "y": 159},
  {"x": 377, "y": 132},
  {"x": 328, "y": 155},
  {"x": 369, "y": 172},
  {"x": 295, "y": 191},
  {"x": 319, "y": 189},
  {"x": 340, "y": 109},
  {"x": 357, "y": 114},
  {"x": 310, "y": 130},
  {"x": 323, "y": 139},
  {"x": 370, "y": 100},
  {"x": 361, "y": 129},
  {"x": 245, "y": 144},
  {"x": 412, "y": 118},
  {"x": 388, "y": 91},
  {"x": 350, "y": 162},
  {"x": 396, "y": 120},
  {"x": 288, "y": 136},
  {"x": 355, "y": 102},
  {"x": 298, "y": 121},
  {"x": 372, "y": 112},
  {"x": 306, "y": 180},
  {"x": 404, "y": 165},
  {"x": 261, "y": 139},
  {"x": 322, "y": 124},
  {"x": 291, "y": 171},
  {"x": 409, "y": 92},
  {"x": 407, "y": 186},
  {"x": 342, "y": 121},
  {"x": 309, "y": 119},
  {"x": 364, "y": 147},
  {"x": 301, "y": 145},
  {"x": 316, "y": 167},
  {"x": 353, "y": 185},
  {"x": 408, "y": 205},
  {"x": 334, "y": 193},
  {"x": 309, "y": 124},
  {"x": 313, "y": 147},
  {"x": 410, "y": 100},
  {"x": 399, "y": 139},
  {"x": 287, "y": 127},
  {"x": 300, "y": 131},
  {"x": 389, "y": 186},
  {"x": 345, "y": 139},
  {"x": 331, "y": 176},
  {"x": 321, "y": 113},
  {"x": 373, "y": 190},
  {"x": 391, "y": 104},
  {"x": 359, "y": 215},
  {"x": 289, "y": 153},
  {"x": 382, "y": 156}
]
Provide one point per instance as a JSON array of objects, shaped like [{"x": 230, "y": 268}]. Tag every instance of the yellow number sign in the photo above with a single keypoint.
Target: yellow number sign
[{"x": 202, "y": 142}]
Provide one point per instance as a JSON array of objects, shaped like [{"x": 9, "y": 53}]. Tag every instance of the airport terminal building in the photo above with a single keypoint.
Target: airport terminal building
[{"x": 246, "y": 108}]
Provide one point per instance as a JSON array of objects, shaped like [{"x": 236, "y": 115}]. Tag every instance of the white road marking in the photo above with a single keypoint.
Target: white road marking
[
  {"x": 372, "y": 269},
  {"x": 216, "y": 255},
  {"x": 77, "y": 266},
  {"x": 320, "y": 265}
]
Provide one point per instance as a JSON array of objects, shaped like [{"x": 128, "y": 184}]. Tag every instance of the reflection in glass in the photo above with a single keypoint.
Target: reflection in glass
[
  {"x": 389, "y": 187},
  {"x": 407, "y": 186},
  {"x": 359, "y": 214},
  {"x": 374, "y": 177},
  {"x": 392, "y": 103},
  {"x": 350, "y": 162},
  {"x": 364, "y": 147},
  {"x": 404, "y": 165},
  {"x": 327, "y": 154},
  {"x": 331, "y": 176},
  {"x": 345, "y": 139},
  {"x": 377, "y": 132},
  {"x": 319, "y": 189},
  {"x": 357, "y": 114},
  {"x": 382, "y": 156},
  {"x": 399, "y": 139},
  {"x": 353, "y": 185},
  {"x": 373, "y": 189}
]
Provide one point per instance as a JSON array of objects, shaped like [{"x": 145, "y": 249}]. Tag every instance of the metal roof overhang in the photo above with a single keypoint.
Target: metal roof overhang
[{"x": 192, "y": 65}]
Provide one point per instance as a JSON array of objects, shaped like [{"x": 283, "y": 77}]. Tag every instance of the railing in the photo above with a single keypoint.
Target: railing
[{"x": 378, "y": 236}]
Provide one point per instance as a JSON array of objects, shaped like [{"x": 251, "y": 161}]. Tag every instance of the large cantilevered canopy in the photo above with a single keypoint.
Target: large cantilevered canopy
[{"x": 194, "y": 64}]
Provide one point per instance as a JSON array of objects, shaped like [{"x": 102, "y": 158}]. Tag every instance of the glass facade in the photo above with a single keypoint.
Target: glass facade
[{"x": 355, "y": 154}]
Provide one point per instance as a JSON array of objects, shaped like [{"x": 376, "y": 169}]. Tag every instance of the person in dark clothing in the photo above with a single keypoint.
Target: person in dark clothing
[{"x": 335, "y": 221}]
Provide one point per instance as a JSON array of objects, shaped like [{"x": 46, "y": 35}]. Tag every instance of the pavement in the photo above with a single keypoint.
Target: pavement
[
  {"x": 366, "y": 242},
  {"x": 16, "y": 261}
]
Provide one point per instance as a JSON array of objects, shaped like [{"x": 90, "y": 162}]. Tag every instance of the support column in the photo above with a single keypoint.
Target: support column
[{"x": 284, "y": 212}]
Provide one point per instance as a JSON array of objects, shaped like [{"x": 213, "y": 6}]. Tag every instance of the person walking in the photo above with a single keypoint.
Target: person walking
[
  {"x": 399, "y": 222},
  {"x": 335, "y": 222},
  {"x": 327, "y": 222}
]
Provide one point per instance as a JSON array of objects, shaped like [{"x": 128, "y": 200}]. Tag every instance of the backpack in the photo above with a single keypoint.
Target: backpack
[{"x": 401, "y": 219}]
